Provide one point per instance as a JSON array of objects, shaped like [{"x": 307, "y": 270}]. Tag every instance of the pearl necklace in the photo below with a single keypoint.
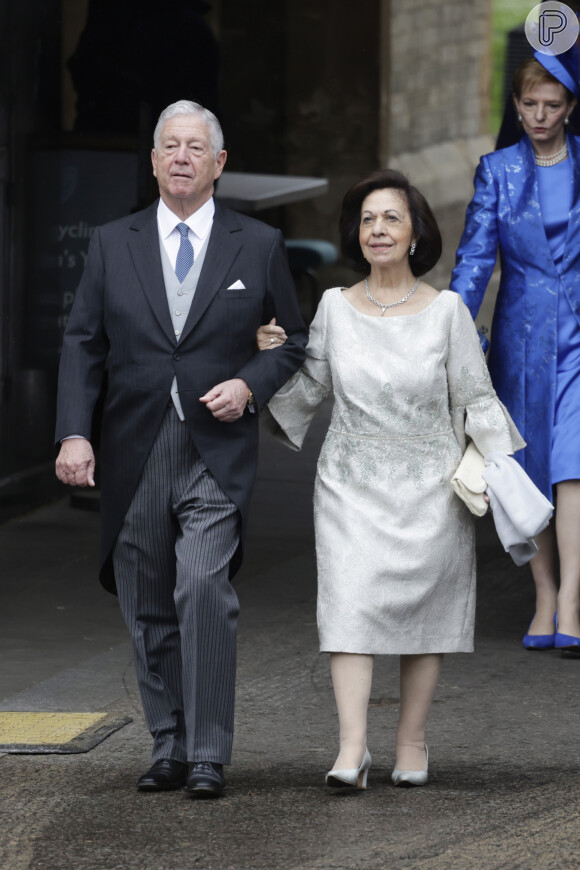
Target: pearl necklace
[
  {"x": 552, "y": 159},
  {"x": 391, "y": 304}
]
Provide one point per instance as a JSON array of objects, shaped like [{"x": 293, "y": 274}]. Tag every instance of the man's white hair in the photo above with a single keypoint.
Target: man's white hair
[{"x": 188, "y": 107}]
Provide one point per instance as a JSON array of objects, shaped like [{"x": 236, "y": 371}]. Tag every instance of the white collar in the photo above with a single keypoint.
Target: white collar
[{"x": 199, "y": 222}]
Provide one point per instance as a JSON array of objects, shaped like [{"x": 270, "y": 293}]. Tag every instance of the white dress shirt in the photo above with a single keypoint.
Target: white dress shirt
[{"x": 199, "y": 225}]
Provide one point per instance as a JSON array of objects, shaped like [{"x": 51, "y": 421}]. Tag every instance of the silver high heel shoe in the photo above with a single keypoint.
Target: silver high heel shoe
[
  {"x": 355, "y": 778},
  {"x": 411, "y": 777}
]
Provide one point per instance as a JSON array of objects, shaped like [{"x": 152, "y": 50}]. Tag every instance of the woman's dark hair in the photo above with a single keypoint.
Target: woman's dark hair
[{"x": 425, "y": 229}]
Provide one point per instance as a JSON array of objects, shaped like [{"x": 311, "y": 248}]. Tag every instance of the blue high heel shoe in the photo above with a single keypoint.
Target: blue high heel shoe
[
  {"x": 540, "y": 641},
  {"x": 569, "y": 644}
]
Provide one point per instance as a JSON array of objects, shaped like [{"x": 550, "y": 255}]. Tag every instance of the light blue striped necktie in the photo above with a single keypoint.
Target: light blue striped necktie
[{"x": 184, "y": 260}]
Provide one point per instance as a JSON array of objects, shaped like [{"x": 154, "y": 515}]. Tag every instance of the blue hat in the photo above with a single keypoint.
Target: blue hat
[{"x": 565, "y": 67}]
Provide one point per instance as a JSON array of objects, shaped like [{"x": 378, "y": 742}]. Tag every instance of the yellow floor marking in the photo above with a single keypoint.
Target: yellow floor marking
[{"x": 45, "y": 728}]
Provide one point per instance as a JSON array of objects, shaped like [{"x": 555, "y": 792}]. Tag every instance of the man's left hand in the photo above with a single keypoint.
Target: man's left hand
[{"x": 227, "y": 402}]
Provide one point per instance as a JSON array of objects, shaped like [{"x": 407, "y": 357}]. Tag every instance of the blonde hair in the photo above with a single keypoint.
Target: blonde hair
[{"x": 531, "y": 73}]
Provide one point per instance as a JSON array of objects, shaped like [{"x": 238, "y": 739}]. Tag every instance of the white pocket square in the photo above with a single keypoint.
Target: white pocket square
[{"x": 237, "y": 285}]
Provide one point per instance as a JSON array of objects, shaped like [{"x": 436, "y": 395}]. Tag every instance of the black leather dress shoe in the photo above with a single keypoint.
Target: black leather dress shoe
[
  {"x": 205, "y": 780},
  {"x": 164, "y": 775}
]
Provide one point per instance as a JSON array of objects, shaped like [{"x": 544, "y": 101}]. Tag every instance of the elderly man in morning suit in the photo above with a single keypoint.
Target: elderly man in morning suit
[{"x": 168, "y": 305}]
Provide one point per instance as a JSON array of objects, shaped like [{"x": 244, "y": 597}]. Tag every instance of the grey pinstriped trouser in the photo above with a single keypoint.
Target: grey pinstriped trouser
[{"x": 171, "y": 564}]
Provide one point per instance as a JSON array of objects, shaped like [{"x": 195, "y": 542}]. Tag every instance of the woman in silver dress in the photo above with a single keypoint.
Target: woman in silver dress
[{"x": 395, "y": 546}]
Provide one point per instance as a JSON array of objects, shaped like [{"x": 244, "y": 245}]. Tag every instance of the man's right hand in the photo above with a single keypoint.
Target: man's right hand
[{"x": 75, "y": 463}]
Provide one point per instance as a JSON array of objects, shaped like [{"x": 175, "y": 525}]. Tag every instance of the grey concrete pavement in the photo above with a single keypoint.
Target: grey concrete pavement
[{"x": 504, "y": 784}]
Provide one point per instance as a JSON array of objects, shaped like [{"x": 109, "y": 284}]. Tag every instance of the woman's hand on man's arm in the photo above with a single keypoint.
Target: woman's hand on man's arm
[{"x": 270, "y": 336}]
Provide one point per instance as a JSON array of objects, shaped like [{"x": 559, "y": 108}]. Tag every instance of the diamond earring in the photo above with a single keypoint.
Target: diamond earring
[{"x": 412, "y": 249}]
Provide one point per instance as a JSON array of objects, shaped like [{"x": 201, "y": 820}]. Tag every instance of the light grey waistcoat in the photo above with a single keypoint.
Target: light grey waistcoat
[{"x": 179, "y": 299}]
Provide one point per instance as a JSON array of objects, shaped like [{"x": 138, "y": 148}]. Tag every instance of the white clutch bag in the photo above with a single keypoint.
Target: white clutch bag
[{"x": 468, "y": 482}]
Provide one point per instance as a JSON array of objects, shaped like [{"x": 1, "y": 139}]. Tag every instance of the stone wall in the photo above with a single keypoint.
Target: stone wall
[
  {"x": 333, "y": 74},
  {"x": 300, "y": 89},
  {"x": 387, "y": 83},
  {"x": 438, "y": 73},
  {"x": 437, "y": 91}
]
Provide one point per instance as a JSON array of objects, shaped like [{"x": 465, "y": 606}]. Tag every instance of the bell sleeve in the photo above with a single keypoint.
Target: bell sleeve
[
  {"x": 290, "y": 411},
  {"x": 476, "y": 411},
  {"x": 477, "y": 251}
]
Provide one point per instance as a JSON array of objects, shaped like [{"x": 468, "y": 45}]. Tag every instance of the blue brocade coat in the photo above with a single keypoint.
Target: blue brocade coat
[{"x": 505, "y": 211}]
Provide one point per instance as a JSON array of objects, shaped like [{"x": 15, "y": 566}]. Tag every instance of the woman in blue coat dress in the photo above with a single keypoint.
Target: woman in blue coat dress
[{"x": 527, "y": 203}]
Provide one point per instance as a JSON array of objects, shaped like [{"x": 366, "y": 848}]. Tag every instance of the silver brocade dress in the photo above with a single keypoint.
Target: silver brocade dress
[{"x": 395, "y": 546}]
